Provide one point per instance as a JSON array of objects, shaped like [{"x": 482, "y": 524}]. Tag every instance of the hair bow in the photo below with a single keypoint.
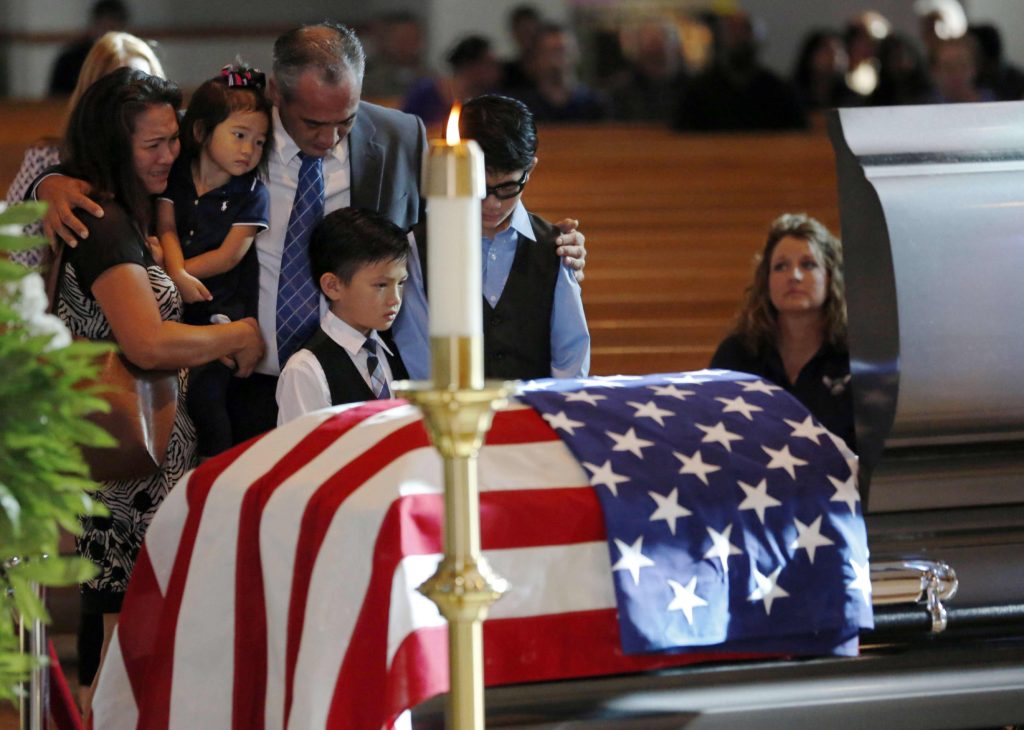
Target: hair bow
[{"x": 243, "y": 76}]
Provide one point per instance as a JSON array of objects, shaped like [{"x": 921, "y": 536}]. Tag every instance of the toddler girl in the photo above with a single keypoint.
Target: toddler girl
[{"x": 207, "y": 219}]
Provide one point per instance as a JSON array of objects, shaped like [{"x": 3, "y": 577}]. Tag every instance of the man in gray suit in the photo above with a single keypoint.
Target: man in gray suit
[{"x": 369, "y": 156}]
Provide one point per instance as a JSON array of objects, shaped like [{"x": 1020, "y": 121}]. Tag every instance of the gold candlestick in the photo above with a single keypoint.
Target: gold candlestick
[
  {"x": 464, "y": 586},
  {"x": 458, "y": 408}
]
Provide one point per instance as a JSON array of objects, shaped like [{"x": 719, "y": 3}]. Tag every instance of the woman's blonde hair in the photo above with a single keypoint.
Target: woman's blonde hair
[
  {"x": 757, "y": 322},
  {"x": 109, "y": 53}
]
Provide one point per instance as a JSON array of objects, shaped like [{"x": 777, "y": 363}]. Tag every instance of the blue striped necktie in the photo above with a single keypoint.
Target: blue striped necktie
[
  {"x": 378, "y": 383},
  {"x": 298, "y": 296}
]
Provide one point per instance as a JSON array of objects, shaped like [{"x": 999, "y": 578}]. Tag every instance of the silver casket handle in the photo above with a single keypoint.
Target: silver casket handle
[{"x": 915, "y": 581}]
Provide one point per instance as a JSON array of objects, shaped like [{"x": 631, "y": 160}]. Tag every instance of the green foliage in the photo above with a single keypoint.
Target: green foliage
[{"x": 44, "y": 482}]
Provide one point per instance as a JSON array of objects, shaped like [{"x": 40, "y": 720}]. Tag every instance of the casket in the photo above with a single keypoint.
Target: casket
[
  {"x": 932, "y": 211},
  {"x": 930, "y": 215}
]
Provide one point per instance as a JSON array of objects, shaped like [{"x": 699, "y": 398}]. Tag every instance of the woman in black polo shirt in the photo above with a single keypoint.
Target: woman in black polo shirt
[{"x": 792, "y": 328}]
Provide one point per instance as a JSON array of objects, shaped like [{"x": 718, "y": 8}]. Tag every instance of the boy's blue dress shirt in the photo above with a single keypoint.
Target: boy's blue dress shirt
[{"x": 570, "y": 338}]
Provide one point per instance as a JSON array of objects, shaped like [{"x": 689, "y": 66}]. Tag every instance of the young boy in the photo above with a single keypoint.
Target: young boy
[
  {"x": 534, "y": 325},
  {"x": 358, "y": 258}
]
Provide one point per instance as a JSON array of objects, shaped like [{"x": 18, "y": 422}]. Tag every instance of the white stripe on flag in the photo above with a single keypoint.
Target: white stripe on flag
[
  {"x": 209, "y": 614},
  {"x": 580, "y": 571},
  {"x": 118, "y": 710},
  {"x": 545, "y": 465},
  {"x": 339, "y": 580},
  {"x": 279, "y": 536}
]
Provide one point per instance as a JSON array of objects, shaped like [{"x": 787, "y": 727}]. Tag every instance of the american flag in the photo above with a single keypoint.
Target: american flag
[
  {"x": 731, "y": 514},
  {"x": 277, "y": 584}
]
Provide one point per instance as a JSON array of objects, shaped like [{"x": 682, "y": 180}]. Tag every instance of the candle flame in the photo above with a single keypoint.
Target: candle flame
[{"x": 452, "y": 132}]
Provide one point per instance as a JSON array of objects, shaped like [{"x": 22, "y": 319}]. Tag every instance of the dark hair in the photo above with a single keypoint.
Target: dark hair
[
  {"x": 351, "y": 238},
  {"x": 468, "y": 51},
  {"x": 332, "y": 49},
  {"x": 216, "y": 100},
  {"x": 99, "y": 136},
  {"x": 113, "y": 9},
  {"x": 802, "y": 69},
  {"x": 990, "y": 41},
  {"x": 504, "y": 129},
  {"x": 523, "y": 12},
  {"x": 757, "y": 321}
]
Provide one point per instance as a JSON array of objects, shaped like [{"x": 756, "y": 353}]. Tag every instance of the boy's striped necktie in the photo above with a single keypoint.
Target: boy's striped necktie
[{"x": 378, "y": 382}]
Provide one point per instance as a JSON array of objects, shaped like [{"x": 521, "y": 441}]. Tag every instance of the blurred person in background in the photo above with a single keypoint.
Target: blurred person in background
[
  {"x": 655, "y": 76},
  {"x": 556, "y": 94},
  {"x": 954, "y": 66},
  {"x": 475, "y": 71},
  {"x": 398, "y": 61},
  {"x": 1006, "y": 80},
  {"x": 738, "y": 93},
  {"x": 902, "y": 74},
  {"x": 105, "y": 16},
  {"x": 112, "y": 51},
  {"x": 820, "y": 72},
  {"x": 524, "y": 22}
]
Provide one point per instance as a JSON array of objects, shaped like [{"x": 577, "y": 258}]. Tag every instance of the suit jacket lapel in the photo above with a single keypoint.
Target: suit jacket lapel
[{"x": 365, "y": 161}]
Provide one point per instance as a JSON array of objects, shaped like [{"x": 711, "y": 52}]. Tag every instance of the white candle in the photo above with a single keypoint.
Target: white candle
[{"x": 453, "y": 181}]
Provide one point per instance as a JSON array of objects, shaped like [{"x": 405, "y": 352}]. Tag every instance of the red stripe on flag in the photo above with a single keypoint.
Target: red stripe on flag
[
  {"x": 316, "y": 520},
  {"x": 154, "y": 710},
  {"x": 250, "y": 678},
  {"x": 136, "y": 630},
  {"x": 413, "y": 526},
  {"x": 519, "y": 426}
]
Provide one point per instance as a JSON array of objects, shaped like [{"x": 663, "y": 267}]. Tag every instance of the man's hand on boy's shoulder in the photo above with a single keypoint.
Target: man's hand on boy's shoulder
[{"x": 572, "y": 246}]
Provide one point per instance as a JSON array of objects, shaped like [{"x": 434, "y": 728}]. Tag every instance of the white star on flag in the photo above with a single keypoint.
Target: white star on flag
[
  {"x": 845, "y": 492},
  {"x": 605, "y": 476},
  {"x": 629, "y": 442},
  {"x": 806, "y": 429},
  {"x": 760, "y": 386},
  {"x": 809, "y": 537},
  {"x": 757, "y": 498},
  {"x": 768, "y": 589},
  {"x": 632, "y": 558},
  {"x": 738, "y": 405},
  {"x": 718, "y": 434},
  {"x": 695, "y": 465},
  {"x": 650, "y": 410},
  {"x": 862, "y": 582},
  {"x": 782, "y": 459},
  {"x": 686, "y": 598},
  {"x": 563, "y": 422},
  {"x": 671, "y": 391},
  {"x": 669, "y": 508},
  {"x": 583, "y": 396},
  {"x": 721, "y": 548}
]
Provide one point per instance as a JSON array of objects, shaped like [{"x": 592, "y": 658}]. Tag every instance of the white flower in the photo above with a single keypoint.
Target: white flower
[
  {"x": 30, "y": 296},
  {"x": 28, "y": 299},
  {"x": 50, "y": 324}
]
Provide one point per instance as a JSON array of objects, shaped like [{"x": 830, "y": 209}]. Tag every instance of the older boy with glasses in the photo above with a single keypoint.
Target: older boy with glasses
[{"x": 534, "y": 325}]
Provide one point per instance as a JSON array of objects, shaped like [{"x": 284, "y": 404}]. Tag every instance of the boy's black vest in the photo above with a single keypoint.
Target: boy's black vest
[
  {"x": 343, "y": 377},
  {"x": 517, "y": 332}
]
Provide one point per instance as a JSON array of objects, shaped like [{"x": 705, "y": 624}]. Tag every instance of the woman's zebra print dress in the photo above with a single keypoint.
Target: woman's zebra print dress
[{"x": 113, "y": 542}]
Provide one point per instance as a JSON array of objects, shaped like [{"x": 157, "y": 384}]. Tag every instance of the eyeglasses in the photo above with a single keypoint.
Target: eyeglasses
[{"x": 507, "y": 190}]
